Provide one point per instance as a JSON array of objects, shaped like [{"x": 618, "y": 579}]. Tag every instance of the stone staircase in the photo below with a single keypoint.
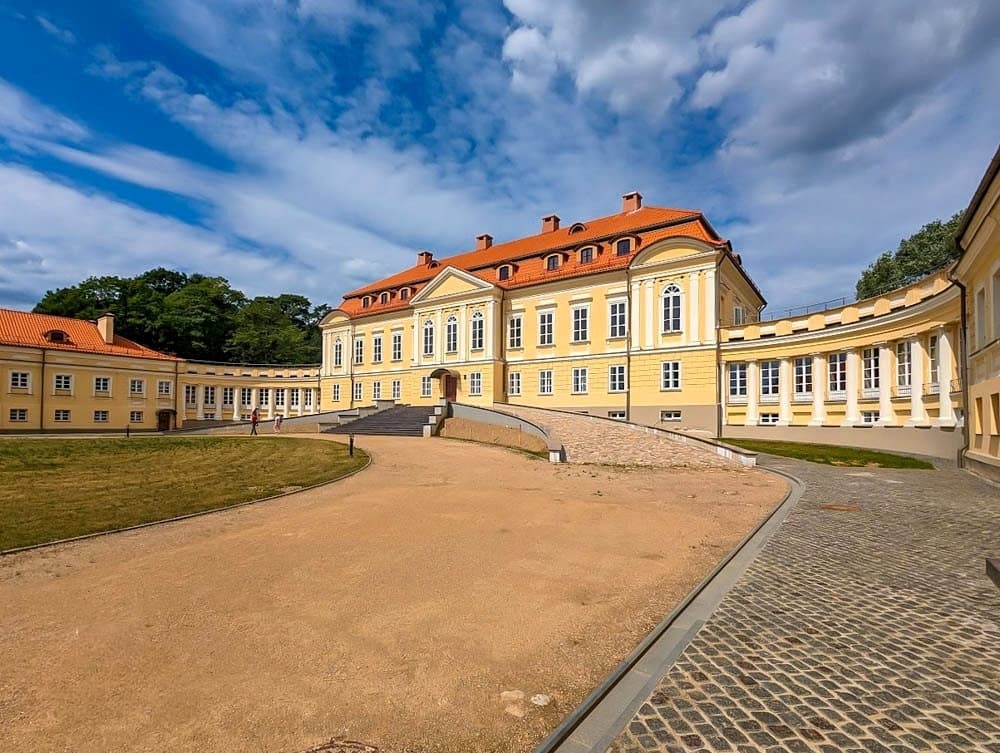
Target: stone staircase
[{"x": 401, "y": 421}]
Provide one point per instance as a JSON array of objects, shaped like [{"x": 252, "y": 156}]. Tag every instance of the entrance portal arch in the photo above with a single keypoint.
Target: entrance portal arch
[{"x": 448, "y": 380}]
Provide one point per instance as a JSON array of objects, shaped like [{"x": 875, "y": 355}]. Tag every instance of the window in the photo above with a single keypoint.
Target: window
[
  {"x": 545, "y": 327},
  {"x": 980, "y": 318},
  {"x": 552, "y": 263},
  {"x": 163, "y": 388},
  {"x": 338, "y": 353},
  {"x": 366, "y": 302},
  {"x": 669, "y": 416},
  {"x": 210, "y": 415},
  {"x": 581, "y": 315},
  {"x": 358, "y": 391},
  {"x": 102, "y": 384},
  {"x": 246, "y": 396},
  {"x": 279, "y": 397},
  {"x": 545, "y": 382},
  {"x": 65, "y": 382},
  {"x": 359, "y": 351},
  {"x": 579, "y": 381},
  {"x": 476, "y": 383},
  {"x": 451, "y": 335},
  {"x": 397, "y": 389},
  {"x": 737, "y": 380},
  {"x": 56, "y": 336},
  {"x": 135, "y": 417},
  {"x": 428, "y": 338},
  {"x": 670, "y": 375},
  {"x": 397, "y": 346},
  {"x": 377, "y": 349},
  {"x": 769, "y": 379},
  {"x": 514, "y": 332},
  {"x": 935, "y": 359},
  {"x": 265, "y": 396},
  {"x": 870, "y": 375},
  {"x": 586, "y": 254},
  {"x": 768, "y": 419},
  {"x": 803, "y": 377},
  {"x": 838, "y": 373},
  {"x": 293, "y": 397},
  {"x": 190, "y": 394},
  {"x": 136, "y": 386},
  {"x": 425, "y": 386},
  {"x": 477, "y": 331},
  {"x": 617, "y": 319},
  {"x": 404, "y": 293},
  {"x": 996, "y": 304},
  {"x": 618, "y": 415},
  {"x": 623, "y": 247},
  {"x": 869, "y": 416},
  {"x": 739, "y": 315},
  {"x": 228, "y": 393},
  {"x": 383, "y": 298},
  {"x": 903, "y": 365},
  {"x": 336, "y": 393},
  {"x": 17, "y": 415},
  {"x": 19, "y": 380},
  {"x": 62, "y": 415},
  {"x": 616, "y": 379},
  {"x": 503, "y": 273},
  {"x": 100, "y": 416},
  {"x": 376, "y": 390},
  {"x": 307, "y": 395},
  {"x": 514, "y": 383},
  {"x": 672, "y": 309}
]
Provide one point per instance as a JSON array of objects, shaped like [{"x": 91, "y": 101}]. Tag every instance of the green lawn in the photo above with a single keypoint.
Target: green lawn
[
  {"x": 56, "y": 488},
  {"x": 830, "y": 454}
]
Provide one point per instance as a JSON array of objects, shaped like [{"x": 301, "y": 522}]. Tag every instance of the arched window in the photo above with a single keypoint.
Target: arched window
[
  {"x": 428, "y": 337},
  {"x": 56, "y": 336},
  {"x": 671, "y": 308},
  {"x": 504, "y": 272},
  {"x": 384, "y": 298},
  {"x": 476, "y": 339},
  {"x": 577, "y": 227},
  {"x": 623, "y": 247},
  {"x": 451, "y": 335},
  {"x": 587, "y": 254},
  {"x": 338, "y": 353},
  {"x": 404, "y": 293},
  {"x": 552, "y": 262},
  {"x": 366, "y": 302}
]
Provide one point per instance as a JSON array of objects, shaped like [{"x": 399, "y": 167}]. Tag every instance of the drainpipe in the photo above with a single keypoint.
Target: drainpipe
[
  {"x": 719, "y": 371},
  {"x": 963, "y": 364},
  {"x": 41, "y": 392},
  {"x": 350, "y": 355},
  {"x": 628, "y": 346},
  {"x": 503, "y": 347},
  {"x": 177, "y": 391}
]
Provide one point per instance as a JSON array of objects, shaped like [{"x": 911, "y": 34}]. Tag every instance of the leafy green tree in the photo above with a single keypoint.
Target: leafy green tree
[
  {"x": 197, "y": 320},
  {"x": 930, "y": 248}
]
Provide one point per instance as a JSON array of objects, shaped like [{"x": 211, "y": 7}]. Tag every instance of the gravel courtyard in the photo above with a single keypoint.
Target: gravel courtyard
[{"x": 392, "y": 608}]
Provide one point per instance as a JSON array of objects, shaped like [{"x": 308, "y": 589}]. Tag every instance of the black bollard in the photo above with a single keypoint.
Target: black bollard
[
  {"x": 128, "y": 431},
  {"x": 350, "y": 445}
]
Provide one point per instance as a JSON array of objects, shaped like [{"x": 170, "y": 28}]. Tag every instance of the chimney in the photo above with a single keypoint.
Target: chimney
[
  {"x": 106, "y": 326},
  {"x": 424, "y": 258},
  {"x": 631, "y": 201},
  {"x": 483, "y": 242},
  {"x": 550, "y": 223}
]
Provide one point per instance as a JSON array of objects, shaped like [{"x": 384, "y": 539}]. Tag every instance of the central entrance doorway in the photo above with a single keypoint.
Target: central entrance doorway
[{"x": 448, "y": 383}]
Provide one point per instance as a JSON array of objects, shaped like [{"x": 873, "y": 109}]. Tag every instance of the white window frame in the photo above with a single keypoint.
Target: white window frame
[
  {"x": 428, "y": 330},
  {"x": 18, "y": 415},
  {"x": 336, "y": 393},
  {"x": 62, "y": 415},
  {"x": 338, "y": 353},
  {"x": 737, "y": 373},
  {"x": 359, "y": 350},
  {"x": 671, "y": 309},
  {"x": 670, "y": 376},
  {"x": 228, "y": 395},
  {"x": 803, "y": 378},
  {"x": 246, "y": 395},
  {"x": 63, "y": 382},
  {"x": 359, "y": 392},
  {"x": 101, "y": 416},
  {"x": 869, "y": 417},
  {"x": 580, "y": 380},
  {"x": 451, "y": 335},
  {"x": 617, "y": 415},
  {"x": 617, "y": 378},
  {"x": 670, "y": 416},
  {"x": 515, "y": 330},
  {"x": 279, "y": 397},
  {"x": 376, "y": 348},
  {"x": 132, "y": 386},
  {"x": 871, "y": 374},
  {"x": 376, "y": 390},
  {"x": 514, "y": 383},
  {"x": 477, "y": 329},
  {"x": 546, "y": 328},
  {"x": 770, "y": 380},
  {"x": 768, "y": 419},
  {"x": 102, "y": 380},
  {"x": 617, "y": 320},
  {"x": 307, "y": 397},
  {"x": 739, "y": 315},
  {"x": 265, "y": 396},
  {"x": 190, "y": 394},
  {"x": 135, "y": 416},
  {"x": 293, "y": 397},
  {"x": 164, "y": 388},
  {"x": 545, "y": 382},
  {"x": 581, "y": 324},
  {"x": 426, "y": 389},
  {"x": 397, "y": 389},
  {"x": 836, "y": 375},
  {"x": 397, "y": 346},
  {"x": 475, "y": 383},
  {"x": 904, "y": 364},
  {"x": 20, "y": 380},
  {"x": 934, "y": 357}
]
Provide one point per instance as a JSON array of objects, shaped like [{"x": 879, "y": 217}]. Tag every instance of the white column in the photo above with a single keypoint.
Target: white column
[
  {"x": 199, "y": 396},
  {"x": 271, "y": 396},
  {"x": 886, "y": 380},
  {"x": 753, "y": 390},
  {"x": 853, "y": 387},
  {"x": 315, "y": 399},
  {"x": 439, "y": 338},
  {"x": 819, "y": 379},
  {"x": 784, "y": 392},
  {"x": 464, "y": 339},
  {"x": 635, "y": 314},
  {"x": 648, "y": 313},
  {"x": 946, "y": 358},
  {"x": 711, "y": 321},
  {"x": 417, "y": 342},
  {"x": 693, "y": 325},
  {"x": 918, "y": 415},
  {"x": 236, "y": 403}
]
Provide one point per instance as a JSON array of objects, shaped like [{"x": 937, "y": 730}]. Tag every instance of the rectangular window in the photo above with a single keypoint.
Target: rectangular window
[
  {"x": 210, "y": 415},
  {"x": 397, "y": 346},
  {"x": 376, "y": 390},
  {"x": 870, "y": 375},
  {"x": 617, "y": 319},
  {"x": 546, "y": 321},
  {"x": 935, "y": 359},
  {"x": 618, "y": 415},
  {"x": 137, "y": 386},
  {"x": 586, "y": 255},
  {"x": 228, "y": 393},
  {"x": 425, "y": 386},
  {"x": 838, "y": 373},
  {"x": 581, "y": 330},
  {"x": 545, "y": 382},
  {"x": 377, "y": 349},
  {"x": 164, "y": 388},
  {"x": 803, "y": 377},
  {"x": 672, "y": 309},
  {"x": 397, "y": 389},
  {"x": 265, "y": 396},
  {"x": 293, "y": 397},
  {"x": 869, "y": 416},
  {"x": 670, "y": 416},
  {"x": 102, "y": 384},
  {"x": 65, "y": 382},
  {"x": 135, "y": 417},
  {"x": 336, "y": 393},
  {"x": 579, "y": 380},
  {"x": 209, "y": 395},
  {"x": 19, "y": 380},
  {"x": 476, "y": 383},
  {"x": 246, "y": 396},
  {"x": 903, "y": 364},
  {"x": 739, "y": 316},
  {"x": 768, "y": 419},
  {"x": 514, "y": 383},
  {"x": 670, "y": 375},
  {"x": 514, "y": 332},
  {"x": 477, "y": 338},
  {"x": 18, "y": 415},
  {"x": 307, "y": 396},
  {"x": 62, "y": 415},
  {"x": 616, "y": 379},
  {"x": 451, "y": 335},
  {"x": 190, "y": 394},
  {"x": 100, "y": 416},
  {"x": 428, "y": 338},
  {"x": 338, "y": 353},
  {"x": 737, "y": 380},
  {"x": 279, "y": 397},
  {"x": 359, "y": 351},
  {"x": 769, "y": 371},
  {"x": 358, "y": 391}
]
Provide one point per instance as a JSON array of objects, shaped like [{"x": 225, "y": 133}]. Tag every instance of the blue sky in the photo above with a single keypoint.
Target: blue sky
[{"x": 309, "y": 146}]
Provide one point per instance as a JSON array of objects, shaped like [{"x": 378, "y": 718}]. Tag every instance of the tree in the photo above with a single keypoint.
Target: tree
[
  {"x": 263, "y": 332},
  {"x": 930, "y": 248}
]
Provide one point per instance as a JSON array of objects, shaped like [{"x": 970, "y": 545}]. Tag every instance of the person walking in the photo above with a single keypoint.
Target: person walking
[
  {"x": 254, "y": 420},
  {"x": 277, "y": 423}
]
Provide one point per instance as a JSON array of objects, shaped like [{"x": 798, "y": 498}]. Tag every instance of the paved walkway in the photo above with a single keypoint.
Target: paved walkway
[
  {"x": 871, "y": 629},
  {"x": 590, "y": 440}
]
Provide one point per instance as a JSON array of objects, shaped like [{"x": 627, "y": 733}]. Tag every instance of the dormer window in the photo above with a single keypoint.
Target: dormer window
[
  {"x": 503, "y": 273},
  {"x": 366, "y": 302},
  {"x": 623, "y": 247},
  {"x": 552, "y": 262},
  {"x": 404, "y": 293},
  {"x": 587, "y": 254},
  {"x": 384, "y": 298},
  {"x": 577, "y": 227},
  {"x": 56, "y": 336}
]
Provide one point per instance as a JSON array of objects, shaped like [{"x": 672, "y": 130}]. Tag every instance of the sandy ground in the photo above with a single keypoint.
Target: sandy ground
[{"x": 393, "y": 608}]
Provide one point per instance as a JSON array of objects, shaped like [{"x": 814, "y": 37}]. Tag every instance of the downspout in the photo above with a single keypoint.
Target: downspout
[
  {"x": 41, "y": 393},
  {"x": 503, "y": 347},
  {"x": 963, "y": 364},
  {"x": 719, "y": 371},
  {"x": 177, "y": 390},
  {"x": 350, "y": 355},
  {"x": 628, "y": 346}
]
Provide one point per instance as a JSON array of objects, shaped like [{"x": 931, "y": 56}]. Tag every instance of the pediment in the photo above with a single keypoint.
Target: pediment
[{"x": 451, "y": 282}]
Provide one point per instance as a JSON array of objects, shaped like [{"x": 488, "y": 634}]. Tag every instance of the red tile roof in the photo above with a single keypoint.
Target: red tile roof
[
  {"x": 647, "y": 225},
  {"x": 29, "y": 330}
]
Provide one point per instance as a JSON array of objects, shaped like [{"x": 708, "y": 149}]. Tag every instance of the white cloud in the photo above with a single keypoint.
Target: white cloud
[
  {"x": 21, "y": 115},
  {"x": 63, "y": 35}
]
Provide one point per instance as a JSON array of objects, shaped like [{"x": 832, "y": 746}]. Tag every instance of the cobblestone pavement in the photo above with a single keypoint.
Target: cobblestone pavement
[
  {"x": 874, "y": 630},
  {"x": 591, "y": 440}
]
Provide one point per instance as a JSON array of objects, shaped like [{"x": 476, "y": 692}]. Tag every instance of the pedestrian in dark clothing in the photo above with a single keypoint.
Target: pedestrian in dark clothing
[{"x": 254, "y": 420}]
